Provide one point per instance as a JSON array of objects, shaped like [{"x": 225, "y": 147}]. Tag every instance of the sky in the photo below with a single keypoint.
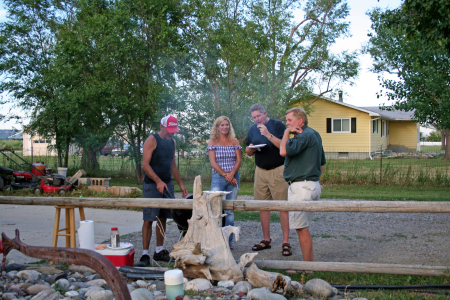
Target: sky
[{"x": 363, "y": 93}]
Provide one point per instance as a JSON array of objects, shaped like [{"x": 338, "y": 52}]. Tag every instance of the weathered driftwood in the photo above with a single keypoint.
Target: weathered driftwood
[
  {"x": 241, "y": 205},
  {"x": 204, "y": 251},
  {"x": 373, "y": 268},
  {"x": 275, "y": 281}
]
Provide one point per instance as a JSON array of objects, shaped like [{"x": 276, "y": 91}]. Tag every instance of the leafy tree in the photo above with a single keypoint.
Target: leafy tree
[
  {"x": 249, "y": 52},
  {"x": 120, "y": 56},
  {"x": 402, "y": 45},
  {"x": 27, "y": 43}
]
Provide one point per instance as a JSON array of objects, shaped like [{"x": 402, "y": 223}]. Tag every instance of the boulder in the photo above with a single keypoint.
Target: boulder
[
  {"x": 199, "y": 284},
  {"x": 318, "y": 287}
]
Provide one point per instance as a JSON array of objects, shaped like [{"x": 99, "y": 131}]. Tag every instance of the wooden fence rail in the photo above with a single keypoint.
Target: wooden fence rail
[
  {"x": 242, "y": 205},
  {"x": 257, "y": 205}
]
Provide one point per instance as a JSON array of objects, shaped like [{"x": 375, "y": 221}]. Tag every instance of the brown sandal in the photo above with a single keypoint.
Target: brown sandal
[
  {"x": 258, "y": 247},
  {"x": 286, "y": 248}
]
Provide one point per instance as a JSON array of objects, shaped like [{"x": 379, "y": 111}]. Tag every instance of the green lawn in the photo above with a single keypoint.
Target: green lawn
[{"x": 338, "y": 191}]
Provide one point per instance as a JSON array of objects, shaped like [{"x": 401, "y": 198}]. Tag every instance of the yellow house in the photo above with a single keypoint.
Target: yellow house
[{"x": 349, "y": 131}]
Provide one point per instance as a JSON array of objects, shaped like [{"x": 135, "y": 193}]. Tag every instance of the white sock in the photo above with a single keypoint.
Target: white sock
[
  {"x": 159, "y": 249},
  {"x": 145, "y": 252}
]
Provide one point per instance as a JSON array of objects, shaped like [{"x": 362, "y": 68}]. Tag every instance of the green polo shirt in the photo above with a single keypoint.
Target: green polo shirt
[{"x": 304, "y": 156}]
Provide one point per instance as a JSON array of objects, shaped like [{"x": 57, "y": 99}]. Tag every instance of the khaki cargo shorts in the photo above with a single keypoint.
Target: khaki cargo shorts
[
  {"x": 270, "y": 184},
  {"x": 302, "y": 191}
]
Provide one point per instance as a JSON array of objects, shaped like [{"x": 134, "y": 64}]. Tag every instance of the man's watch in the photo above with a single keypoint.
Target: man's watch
[{"x": 271, "y": 136}]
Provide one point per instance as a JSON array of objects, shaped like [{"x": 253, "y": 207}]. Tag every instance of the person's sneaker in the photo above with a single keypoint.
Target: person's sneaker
[
  {"x": 163, "y": 255},
  {"x": 144, "y": 261}
]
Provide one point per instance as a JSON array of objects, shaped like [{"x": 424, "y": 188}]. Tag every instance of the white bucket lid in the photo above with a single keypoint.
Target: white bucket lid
[{"x": 173, "y": 277}]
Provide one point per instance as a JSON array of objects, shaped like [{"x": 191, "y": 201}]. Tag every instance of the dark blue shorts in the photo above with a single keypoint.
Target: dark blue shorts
[{"x": 150, "y": 191}]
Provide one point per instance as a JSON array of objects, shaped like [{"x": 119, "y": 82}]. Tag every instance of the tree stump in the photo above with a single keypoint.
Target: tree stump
[{"x": 204, "y": 251}]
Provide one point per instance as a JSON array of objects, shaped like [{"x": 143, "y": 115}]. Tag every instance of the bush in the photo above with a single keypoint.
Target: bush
[{"x": 435, "y": 136}]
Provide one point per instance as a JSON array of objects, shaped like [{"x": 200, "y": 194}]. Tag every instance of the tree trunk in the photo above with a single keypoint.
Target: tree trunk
[
  {"x": 89, "y": 159},
  {"x": 447, "y": 144},
  {"x": 66, "y": 158},
  {"x": 443, "y": 139},
  {"x": 139, "y": 173}
]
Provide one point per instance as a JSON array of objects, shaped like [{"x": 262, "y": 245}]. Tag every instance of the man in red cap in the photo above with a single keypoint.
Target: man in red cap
[{"x": 158, "y": 161}]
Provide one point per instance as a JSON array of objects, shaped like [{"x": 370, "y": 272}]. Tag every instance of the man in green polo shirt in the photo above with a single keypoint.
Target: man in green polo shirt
[{"x": 303, "y": 165}]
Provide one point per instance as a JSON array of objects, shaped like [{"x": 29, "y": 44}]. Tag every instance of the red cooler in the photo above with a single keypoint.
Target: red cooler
[{"x": 120, "y": 256}]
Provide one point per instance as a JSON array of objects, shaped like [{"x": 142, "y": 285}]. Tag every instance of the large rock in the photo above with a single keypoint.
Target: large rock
[
  {"x": 81, "y": 269},
  {"x": 37, "y": 288},
  {"x": 264, "y": 294},
  {"x": 295, "y": 288},
  {"x": 30, "y": 275},
  {"x": 92, "y": 289},
  {"x": 141, "y": 294},
  {"x": 319, "y": 287},
  {"x": 225, "y": 283},
  {"x": 101, "y": 295},
  {"x": 12, "y": 274},
  {"x": 98, "y": 282},
  {"x": 199, "y": 284},
  {"x": 47, "y": 295},
  {"x": 9, "y": 296},
  {"x": 71, "y": 294},
  {"x": 12, "y": 267},
  {"x": 242, "y": 286},
  {"x": 45, "y": 270},
  {"x": 62, "y": 284},
  {"x": 142, "y": 283}
]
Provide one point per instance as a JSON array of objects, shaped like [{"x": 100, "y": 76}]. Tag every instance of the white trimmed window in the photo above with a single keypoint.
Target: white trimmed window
[
  {"x": 341, "y": 125},
  {"x": 375, "y": 126},
  {"x": 383, "y": 128}
]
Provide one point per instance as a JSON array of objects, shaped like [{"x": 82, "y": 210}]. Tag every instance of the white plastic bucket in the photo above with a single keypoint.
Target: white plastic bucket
[
  {"x": 62, "y": 171},
  {"x": 174, "y": 283}
]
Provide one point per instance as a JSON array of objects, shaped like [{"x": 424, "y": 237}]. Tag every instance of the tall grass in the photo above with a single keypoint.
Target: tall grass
[
  {"x": 392, "y": 171},
  {"x": 11, "y": 144}
]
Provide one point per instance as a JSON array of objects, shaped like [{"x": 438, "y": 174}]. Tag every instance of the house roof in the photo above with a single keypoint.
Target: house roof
[
  {"x": 371, "y": 113},
  {"x": 375, "y": 111},
  {"x": 397, "y": 115}
]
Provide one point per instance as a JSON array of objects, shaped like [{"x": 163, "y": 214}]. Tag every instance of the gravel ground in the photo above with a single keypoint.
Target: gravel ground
[{"x": 395, "y": 238}]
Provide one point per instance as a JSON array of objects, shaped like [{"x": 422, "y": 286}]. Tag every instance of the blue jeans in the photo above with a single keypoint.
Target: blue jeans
[{"x": 219, "y": 183}]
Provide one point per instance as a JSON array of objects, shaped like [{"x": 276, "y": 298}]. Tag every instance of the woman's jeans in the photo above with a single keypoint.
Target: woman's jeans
[{"x": 219, "y": 183}]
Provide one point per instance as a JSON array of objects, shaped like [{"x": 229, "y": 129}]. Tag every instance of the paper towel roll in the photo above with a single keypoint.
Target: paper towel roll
[{"x": 86, "y": 234}]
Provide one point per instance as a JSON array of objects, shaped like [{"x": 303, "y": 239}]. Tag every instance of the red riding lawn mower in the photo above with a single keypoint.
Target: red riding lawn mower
[{"x": 41, "y": 180}]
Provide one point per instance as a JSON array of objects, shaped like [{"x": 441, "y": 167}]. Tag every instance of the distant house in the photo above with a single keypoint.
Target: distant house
[
  {"x": 35, "y": 145},
  {"x": 349, "y": 131}
]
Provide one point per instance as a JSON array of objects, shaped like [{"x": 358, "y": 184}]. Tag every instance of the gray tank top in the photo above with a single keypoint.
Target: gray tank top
[{"x": 161, "y": 161}]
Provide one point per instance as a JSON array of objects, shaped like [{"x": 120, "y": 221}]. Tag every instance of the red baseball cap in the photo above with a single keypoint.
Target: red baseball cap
[{"x": 170, "y": 123}]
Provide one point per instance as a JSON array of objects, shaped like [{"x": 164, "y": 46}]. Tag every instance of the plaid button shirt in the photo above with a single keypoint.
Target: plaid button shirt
[{"x": 225, "y": 156}]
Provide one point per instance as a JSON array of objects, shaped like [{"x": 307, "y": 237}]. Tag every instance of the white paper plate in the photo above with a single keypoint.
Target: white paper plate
[
  {"x": 256, "y": 146},
  {"x": 122, "y": 246},
  {"x": 216, "y": 192}
]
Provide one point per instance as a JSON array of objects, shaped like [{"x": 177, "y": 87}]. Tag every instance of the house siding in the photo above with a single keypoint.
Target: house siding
[
  {"x": 33, "y": 147},
  {"x": 377, "y": 141},
  {"x": 340, "y": 142},
  {"x": 403, "y": 133}
]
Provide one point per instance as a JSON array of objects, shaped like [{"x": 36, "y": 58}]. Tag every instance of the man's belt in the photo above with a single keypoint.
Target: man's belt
[{"x": 291, "y": 182}]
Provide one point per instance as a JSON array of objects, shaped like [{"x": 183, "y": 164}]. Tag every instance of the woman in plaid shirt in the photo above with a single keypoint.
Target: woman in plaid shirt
[{"x": 225, "y": 158}]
